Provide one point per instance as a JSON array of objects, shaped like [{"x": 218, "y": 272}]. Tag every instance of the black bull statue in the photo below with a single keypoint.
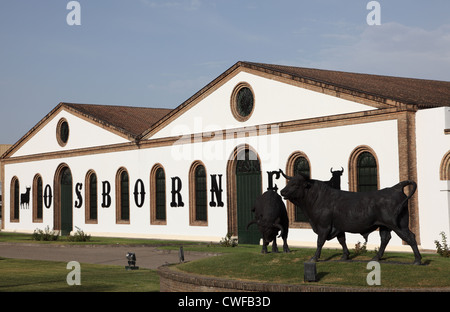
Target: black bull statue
[
  {"x": 332, "y": 212},
  {"x": 271, "y": 217}
]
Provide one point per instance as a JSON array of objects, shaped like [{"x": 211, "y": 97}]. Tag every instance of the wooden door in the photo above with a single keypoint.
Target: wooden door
[{"x": 248, "y": 188}]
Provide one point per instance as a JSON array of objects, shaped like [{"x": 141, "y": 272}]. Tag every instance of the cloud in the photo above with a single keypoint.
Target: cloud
[{"x": 392, "y": 49}]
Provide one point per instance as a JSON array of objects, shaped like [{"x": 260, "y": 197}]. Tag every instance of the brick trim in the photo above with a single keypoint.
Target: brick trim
[{"x": 173, "y": 280}]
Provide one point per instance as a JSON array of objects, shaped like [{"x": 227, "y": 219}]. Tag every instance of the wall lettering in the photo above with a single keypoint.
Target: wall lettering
[
  {"x": 216, "y": 190},
  {"x": 106, "y": 197},
  {"x": 139, "y": 193},
  {"x": 272, "y": 186},
  {"x": 79, "y": 201},
  {"x": 48, "y": 196},
  {"x": 25, "y": 198},
  {"x": 177, "y": 200}
]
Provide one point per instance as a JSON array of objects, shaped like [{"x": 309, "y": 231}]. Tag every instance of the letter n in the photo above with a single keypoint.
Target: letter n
[{"x": 216, "y": 189}]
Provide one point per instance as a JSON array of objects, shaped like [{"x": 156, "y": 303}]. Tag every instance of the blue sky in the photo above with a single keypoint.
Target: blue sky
[{"x": 159, "y": 53}]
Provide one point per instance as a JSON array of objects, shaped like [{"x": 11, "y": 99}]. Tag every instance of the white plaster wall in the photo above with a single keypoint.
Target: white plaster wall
[
  {"x": 81, "y": 134},
  {"x": 274, "y": 102},
  {"x": 325, "y": 148},
  {"x": 434, "y": 194}
]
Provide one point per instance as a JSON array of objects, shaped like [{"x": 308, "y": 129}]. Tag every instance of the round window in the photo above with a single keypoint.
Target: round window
[
  {"x": 62, "y": 132},
  {"x": 242, "y": 102}
]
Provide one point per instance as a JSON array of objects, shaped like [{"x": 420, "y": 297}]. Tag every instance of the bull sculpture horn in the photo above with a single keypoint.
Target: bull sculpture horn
[
  {"x": 342, "y": 170},
  {"x": 285, "y": 176}
]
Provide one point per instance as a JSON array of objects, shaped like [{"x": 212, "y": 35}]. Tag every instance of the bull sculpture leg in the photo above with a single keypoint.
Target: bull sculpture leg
[
  {"x": 385, "y": 235},
  {"x": 320, "y": 241},
  {"x": 341, "y": 239},
  {"x": 404, "y": 233},
  {"x": 410, "y": 238},
  {"x": 274, "y": 246}
]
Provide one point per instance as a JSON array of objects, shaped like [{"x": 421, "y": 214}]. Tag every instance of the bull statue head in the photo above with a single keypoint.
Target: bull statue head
[{"x": 340, "y": 172}]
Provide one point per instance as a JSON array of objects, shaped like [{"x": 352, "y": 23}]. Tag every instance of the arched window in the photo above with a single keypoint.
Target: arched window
[
  {"x": 14, "y": 200},
  {"x": 444, "y": 171},
  {"x": 367, "y": 172},
  {"x": 122, "y": 196},
  {"x": 363, "y": 170},
  {"x": 37, "y": 198},
  {"x": 298, "y": 163},
  {"x": 91, "y": 192},
  {"x": 198, "y": 207},
  {"x": 158, "y": 195}
]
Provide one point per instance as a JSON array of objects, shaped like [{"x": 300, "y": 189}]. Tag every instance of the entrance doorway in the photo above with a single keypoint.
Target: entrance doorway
[
  {"x": 63, "y": 200},
  {"x": 244, "y": 186}
]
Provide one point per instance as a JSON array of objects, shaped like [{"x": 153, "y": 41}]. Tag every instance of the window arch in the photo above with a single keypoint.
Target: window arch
[
  {"x": 91, "y": 197},
  {"x": 444, "y": 171},
  {"x": 363, "y": 170},
  {"x": 298, "y": 163},
  {"x": 198, "y": 192},
  {"x": 38, "y": 201},
  {"x": 14, "y": 200},
  {"x": 158, "y": 195},
  {"x": 122, "y": 196}
]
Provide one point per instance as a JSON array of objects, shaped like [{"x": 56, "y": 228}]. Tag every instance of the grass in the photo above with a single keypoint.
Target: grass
[
  {"x": 8, "y": 237},
  {"x": 234, "y": 263},
  {"x": 288, "y": 268},
  {"x": 50, "y": 276}
]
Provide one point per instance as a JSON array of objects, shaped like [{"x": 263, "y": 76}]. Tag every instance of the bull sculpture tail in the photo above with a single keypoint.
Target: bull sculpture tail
[
  {"x": 279, "y": 227},
  {"x": 402, "y": 185}
]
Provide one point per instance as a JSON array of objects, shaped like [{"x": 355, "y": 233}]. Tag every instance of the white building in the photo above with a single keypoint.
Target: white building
[{"x": 180, "y": 174}]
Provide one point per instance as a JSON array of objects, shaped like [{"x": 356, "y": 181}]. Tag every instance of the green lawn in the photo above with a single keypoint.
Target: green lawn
[
  {"x": 244, "y": 262},
  {"x": 288, "y": 268},
  {"x": 50, "y": 276}
]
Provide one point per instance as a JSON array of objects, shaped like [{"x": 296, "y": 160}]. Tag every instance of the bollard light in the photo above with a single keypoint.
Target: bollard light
[
  {"x": 131, "y": 256},
  {"x": 181, "y": 254},
  {"x": 310, "y": 272}
]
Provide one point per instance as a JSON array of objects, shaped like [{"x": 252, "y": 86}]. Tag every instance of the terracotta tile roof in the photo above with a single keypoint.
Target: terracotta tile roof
[
  {"x": 421, "y": 92},
  {"x": 129, "y": 120}
]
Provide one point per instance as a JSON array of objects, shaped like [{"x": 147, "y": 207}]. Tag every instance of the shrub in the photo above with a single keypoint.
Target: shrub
[
  {"x": 228, "y": 241},
  {"x": 442, "y": 249},
  {"x": 46, "y": 235},
  {"x": 79, "y": 236},
  {"x": 360, "y": 249}
]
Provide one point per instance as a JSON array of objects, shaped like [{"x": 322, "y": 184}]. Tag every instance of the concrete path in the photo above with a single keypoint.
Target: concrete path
[{"x": 146, "y": 257}]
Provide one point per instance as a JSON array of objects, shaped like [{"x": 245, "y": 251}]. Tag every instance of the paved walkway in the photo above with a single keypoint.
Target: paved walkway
[{"x": 146, "y": 257}]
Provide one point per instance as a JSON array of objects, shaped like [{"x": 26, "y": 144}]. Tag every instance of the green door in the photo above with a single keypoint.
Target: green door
[
  {"x": 66, "y": 202},
  {"x": 248, "y": 187}
]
